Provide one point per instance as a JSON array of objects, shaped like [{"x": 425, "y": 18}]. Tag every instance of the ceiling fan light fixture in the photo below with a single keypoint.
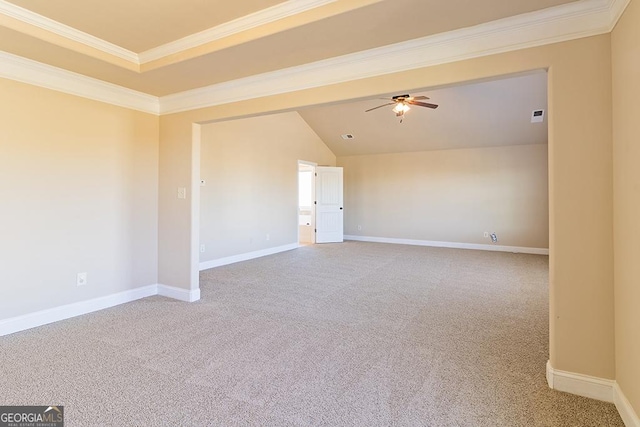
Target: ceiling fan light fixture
[
  {"x": 401, "y": 104},
  {"x": 401, "y": 108}
]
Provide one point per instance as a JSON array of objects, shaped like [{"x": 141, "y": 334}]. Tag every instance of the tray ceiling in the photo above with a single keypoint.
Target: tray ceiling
[{"x": 135, "y": 44}]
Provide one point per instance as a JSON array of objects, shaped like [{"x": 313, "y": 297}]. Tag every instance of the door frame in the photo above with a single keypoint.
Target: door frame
[{"x": 313, "y": 208}]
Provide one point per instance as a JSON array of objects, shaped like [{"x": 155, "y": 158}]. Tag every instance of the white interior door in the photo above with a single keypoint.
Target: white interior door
[{"x": 329, "y": 212}]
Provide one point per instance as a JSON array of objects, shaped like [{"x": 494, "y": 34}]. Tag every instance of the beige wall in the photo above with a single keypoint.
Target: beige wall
[
  {"x": 79, "y": 188},
  {"x": 82, "y": 191},
  {"x": 626, "y": 156},
  {"x": 450, "y": 195},
  {"x": 580, "y": 185},
  {"x": 80, "y": 181},
  {"x": 251, "y": 172}
]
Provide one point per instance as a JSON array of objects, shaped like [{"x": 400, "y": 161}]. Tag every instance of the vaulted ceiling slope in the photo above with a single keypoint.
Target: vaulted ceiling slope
[
  {"x": 484, "y": 114},
  {"x": 171, "y": 48}
]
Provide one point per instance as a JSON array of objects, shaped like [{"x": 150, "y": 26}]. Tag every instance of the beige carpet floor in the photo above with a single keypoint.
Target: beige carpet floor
[{"x": 353, "y": 334}]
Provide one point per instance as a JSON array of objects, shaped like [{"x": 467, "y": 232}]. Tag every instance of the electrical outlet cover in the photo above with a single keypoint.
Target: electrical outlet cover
[{"x": 81, "y": 279}]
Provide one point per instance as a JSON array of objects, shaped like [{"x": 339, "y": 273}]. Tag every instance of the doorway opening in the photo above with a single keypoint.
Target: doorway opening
[
  {"x": 355, "y": 224},
  {"x": 306, "y": 208}
]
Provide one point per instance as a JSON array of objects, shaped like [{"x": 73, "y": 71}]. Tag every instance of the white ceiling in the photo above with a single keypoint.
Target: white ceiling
[{"x": 484, "y": 114}]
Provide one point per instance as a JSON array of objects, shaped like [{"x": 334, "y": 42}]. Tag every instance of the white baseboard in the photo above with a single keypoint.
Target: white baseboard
[
  {"x": 179, "y": 293},
  {"x": 628, "y": 415},
  {"x": 453, "y": 245},
  {"x": 579, "y": 384},
  {"x": 594, "y": 388},
  {"x": 44, "y": 317},
  {"x": 246, "y": 256}
]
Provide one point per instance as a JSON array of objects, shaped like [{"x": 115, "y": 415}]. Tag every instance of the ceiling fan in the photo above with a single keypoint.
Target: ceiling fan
[{"x": 402, "y": 103}]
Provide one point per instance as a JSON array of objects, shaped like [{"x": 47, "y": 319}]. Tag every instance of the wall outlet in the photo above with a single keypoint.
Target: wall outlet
[
  {"x": 203, "y": 248},
  {"x": 486, "y": 234},
  {"x": 182, "y": 193},
  {"x": 359, "y": 228},
  {"x": 81, "y": 279},
  {"x": 494, "y": 237},
  {"x": 267, "y": 236}
]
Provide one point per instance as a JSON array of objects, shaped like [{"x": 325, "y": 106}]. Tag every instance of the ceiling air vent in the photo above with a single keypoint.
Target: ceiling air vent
[
  {"x": 537, "y": 116},
  {"x": 347, "y": 136}
]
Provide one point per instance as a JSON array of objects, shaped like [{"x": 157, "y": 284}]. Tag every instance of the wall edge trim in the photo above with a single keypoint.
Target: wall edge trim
[
  {"x": 627, "y": 413},
  {"x": 452, "y": 245},
  {"x": 580, "y": 384},
  {"x": 179, "y": 294},
  {"x": 67, "y": 311},
  {"x": 219, "y": 262},
  {"x": 55, "y": 314}
]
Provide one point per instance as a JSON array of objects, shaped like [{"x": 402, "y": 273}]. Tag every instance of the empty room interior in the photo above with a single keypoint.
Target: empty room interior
[{"x": 320, "y": 212}]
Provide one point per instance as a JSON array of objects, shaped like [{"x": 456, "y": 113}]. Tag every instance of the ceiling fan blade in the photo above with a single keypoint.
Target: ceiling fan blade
[
  {"x": 415, "y": 98},
  {"x": 379, "y": 106},
  {"x": 423, "y": 104}
]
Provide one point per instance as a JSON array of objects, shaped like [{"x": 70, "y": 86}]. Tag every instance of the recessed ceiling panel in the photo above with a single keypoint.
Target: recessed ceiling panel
[
  {"x": 379, "y": 24},
  {"x": 139, "y": 25}
]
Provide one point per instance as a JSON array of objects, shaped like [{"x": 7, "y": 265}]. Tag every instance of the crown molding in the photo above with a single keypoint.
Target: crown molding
[
  {"x": 557, "y": 24},
  {"x": 24, "y": 70},
  {"x": 31, "y": 18},
  {"x": 582, "y": 18},
  {"x": 616, "y": 9},
  {"x": 259, "y": 18},
  {"x": 567, "y": 22}
]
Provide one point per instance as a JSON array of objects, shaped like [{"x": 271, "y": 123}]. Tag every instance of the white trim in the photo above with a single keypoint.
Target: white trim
[
  {"x": 616, "y": 9},
  {"x": 453, "y": 245},
  {"x": 562, "y": 23},
  {"x": 253, "y": 20},
  {"x": 581, "y": 385},
  {"x": 628, "y": 415},
  {"x": 24, "y": 70},
  {"x": 28, "y": 17},
  {"x": 261, "y": 17},
  {"x": 179, "y": 293},
  {"x": 594, "y": 388},
  {"x": 44, "y": 317},
  {"x": 55, "y": 314},
  {"x": 246, "y": 256},
  {"x": 549, "y": 374},
  {"x": 565, "y": 22}
]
